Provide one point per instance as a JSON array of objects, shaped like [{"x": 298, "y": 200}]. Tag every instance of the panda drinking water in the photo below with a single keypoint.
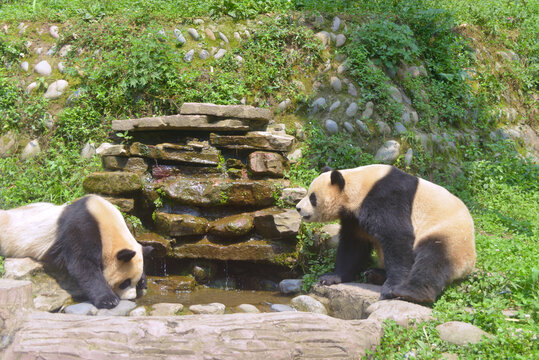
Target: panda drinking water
[
  {"x": 423, "y": 234},
  {"x": 88, "y": 238}
]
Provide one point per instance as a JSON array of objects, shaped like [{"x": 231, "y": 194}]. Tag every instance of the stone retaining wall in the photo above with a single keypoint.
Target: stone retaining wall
[{"x": 207, "y": 180}]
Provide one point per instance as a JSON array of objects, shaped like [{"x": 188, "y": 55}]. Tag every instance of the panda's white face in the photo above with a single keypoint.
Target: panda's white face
[{"x": 323, "y": 201}]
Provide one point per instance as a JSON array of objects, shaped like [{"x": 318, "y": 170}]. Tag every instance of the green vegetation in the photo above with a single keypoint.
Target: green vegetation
[{"x": 471, "y": 78}]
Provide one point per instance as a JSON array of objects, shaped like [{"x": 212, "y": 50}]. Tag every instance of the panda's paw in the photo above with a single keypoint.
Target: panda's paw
[
  {"x": 329, "y": 279},
  {"x": 107, "y": 301},
  {"x": 386, "y": 293},
  {"x": 375, "y": 276}
]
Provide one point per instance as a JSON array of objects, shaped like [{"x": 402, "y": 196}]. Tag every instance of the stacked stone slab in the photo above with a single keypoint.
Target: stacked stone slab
[{"x": 209, "y": 189}]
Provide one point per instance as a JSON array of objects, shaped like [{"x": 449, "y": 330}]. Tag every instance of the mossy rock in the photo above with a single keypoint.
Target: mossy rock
[{"x": 112, "y": 183}]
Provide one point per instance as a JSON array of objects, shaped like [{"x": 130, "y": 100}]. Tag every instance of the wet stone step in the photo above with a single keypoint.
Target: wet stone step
[
  {"x": 161, "y": 246},
  {"x": 112, "y": 183},
  {"x": 256, "y": 140},
  {"x": 219, "y": 192},
  {"x": 187, "y": 123},
  {"x": 202, "y": 155},
  {"x": 231, "y": 111},
  {"x": 180, "y": 224},
  {"x": 251, "y": 250}
]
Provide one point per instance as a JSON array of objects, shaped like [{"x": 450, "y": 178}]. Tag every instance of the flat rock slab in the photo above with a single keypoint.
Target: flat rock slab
[
  {"x": 205, "y": 155},
  {"x": 186, "y": 123},
  {"x": 112, "y": 183},
  {"x": 230, "y": 111},
  {"x": 250, "y": 250},
  {"x": 211, "y": 192},
  {"x": 256, "y": 140},
  {"x": 288, "y": 335},
  {"x": 348, "y": 301}
]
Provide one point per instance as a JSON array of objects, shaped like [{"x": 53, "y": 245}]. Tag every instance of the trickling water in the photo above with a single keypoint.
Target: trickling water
[{"x": 226, "y": 275}]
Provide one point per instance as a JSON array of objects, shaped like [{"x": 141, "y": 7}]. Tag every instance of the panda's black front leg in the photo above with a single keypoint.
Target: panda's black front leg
[
  {"x": 91, "y": 280},
  {"x": 353, "y": 255}
]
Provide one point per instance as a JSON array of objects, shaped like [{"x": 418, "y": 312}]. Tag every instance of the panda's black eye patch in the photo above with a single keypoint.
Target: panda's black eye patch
[
  {"x": 125, "y": 284},
  {"x": 312, "y": 198}
]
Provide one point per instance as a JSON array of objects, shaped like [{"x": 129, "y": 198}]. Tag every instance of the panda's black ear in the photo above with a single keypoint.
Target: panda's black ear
[
  {"x": 326, "y": 169},
  {"x": 125, "y": 255},
  {"x": 337, "y": 179},
  {"x": 146, "y": 250}
]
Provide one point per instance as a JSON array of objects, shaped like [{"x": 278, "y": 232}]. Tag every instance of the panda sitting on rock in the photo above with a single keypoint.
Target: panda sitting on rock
[
  {"x": 423, "y": 234},
  {"x": 88, "y": 238}
]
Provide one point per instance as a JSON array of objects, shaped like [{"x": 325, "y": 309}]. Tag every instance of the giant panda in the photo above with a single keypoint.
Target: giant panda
[
  {"x": 423, "y": 234},
  {"x": 88, "y": 238}
]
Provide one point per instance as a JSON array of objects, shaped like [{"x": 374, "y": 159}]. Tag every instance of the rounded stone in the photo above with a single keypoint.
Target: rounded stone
[
  {"x": 213, "y": 308},
  {"x": 340, "y": 40},
  {"x": 210, "y": 34},
  {"x": 203, "y": 54},
  {"x": 31, "y": 150},
  {"x": 335, "y": 83},
  {"x": 31, "y": 87},
  {"x": 138, "y": 311},
  {"x": 64, "y": 50},
  {"x": 281, "y": 308},
  {"x": 290, "y": 286},
  {"x": 61, "y": 67},
  {"x": 166, "y": 309},
  {"x": 388, "y": 153},
  {"x": 81, "y": 309},
  {"x": 334, "y": 106},
  {"x": 352, "y": 109},
  {"x": 43, "y": 68},
  {"x": 336, "y": 24},
  {"x": 395, "y": 94},
  {"x": 223, "y": 37},
  {"x": 369, "y": 109},
  {"x": 319, "y": 103},
  {"x": 283, "y": 105},
  {"x": 247, "y": 308},
  {"x": 324, "y": 37},
  {"x": 461, "y": 333},
  {"x": 189, "y": 56},
  {"x": 401, "y": 129},
  {"x": 194, "y": 34},
  {"x": 220, "y": 53},
  {"x": 198, "y": 21},
  {"x": 383, "y": 128},
  {"x": 237, "y": 36},
  {"x": 161, "y": 35},
  {"x": 179, "y": 37},
  {"x": 24, "y": 65},
  {"x": 332, "y": 127},
  {"x": 348, "y": 127},
  {"x": 308, "y": 304},
  {"x": 53, "y": 30},
  {"x": 88, "y": 151},
  {"x": 122, "y": 309},
  {"x": 56, "y": 89},
  {"x": 352, "y": 89}
]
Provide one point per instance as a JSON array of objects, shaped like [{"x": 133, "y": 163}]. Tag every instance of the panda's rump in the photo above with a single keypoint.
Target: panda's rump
[
  {"x": 29, "y": 231},
  {"x": 438, "y": 215}
]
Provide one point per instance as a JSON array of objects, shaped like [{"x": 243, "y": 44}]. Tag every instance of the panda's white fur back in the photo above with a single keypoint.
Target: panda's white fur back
[{"x": 29, "y": 230}]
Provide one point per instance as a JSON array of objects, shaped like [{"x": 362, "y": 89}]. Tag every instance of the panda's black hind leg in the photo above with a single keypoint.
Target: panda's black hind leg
[{"x": 429, "y": 275}]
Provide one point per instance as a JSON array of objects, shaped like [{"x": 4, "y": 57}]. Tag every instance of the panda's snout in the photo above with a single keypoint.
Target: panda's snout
[{"x": 298, "y": 209}]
